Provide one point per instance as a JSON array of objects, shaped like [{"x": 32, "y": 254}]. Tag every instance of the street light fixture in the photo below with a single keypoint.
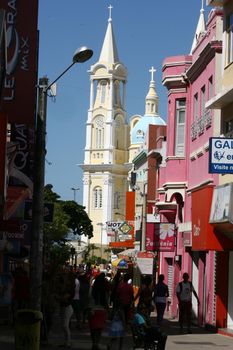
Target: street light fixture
[
  {"x": 75, "y": 190},
  {"x": 36, "y": 253}
]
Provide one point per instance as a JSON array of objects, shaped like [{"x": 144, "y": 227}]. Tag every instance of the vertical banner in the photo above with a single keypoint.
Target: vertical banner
[
  {"x": 19, "y": 94},
  {"x": 165, "y": 237}
]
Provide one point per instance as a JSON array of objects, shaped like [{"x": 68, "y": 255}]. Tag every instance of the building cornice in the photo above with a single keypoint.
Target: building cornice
[
  {"x": 207, "y": 54},
  {"x": 100, "y": 168},
  {"x": 202, "y": 184}
]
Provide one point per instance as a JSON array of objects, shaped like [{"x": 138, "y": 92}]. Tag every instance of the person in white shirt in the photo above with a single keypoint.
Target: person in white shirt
[
  {"x": 184, "y": 292},
  {"x": 76, "y": 301}
]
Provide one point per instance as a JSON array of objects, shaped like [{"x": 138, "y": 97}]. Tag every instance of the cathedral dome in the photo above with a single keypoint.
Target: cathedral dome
[{"x": 139, "y": 130}]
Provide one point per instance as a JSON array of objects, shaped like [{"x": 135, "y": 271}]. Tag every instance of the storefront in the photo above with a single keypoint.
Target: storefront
[{"x": 210, "y": 249}]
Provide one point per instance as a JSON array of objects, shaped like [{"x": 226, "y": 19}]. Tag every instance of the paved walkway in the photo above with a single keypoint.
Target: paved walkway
[{"x": 200, "y": 339}]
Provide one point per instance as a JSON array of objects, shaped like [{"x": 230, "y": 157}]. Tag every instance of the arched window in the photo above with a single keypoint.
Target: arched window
[{"x": 97, "y": 197}]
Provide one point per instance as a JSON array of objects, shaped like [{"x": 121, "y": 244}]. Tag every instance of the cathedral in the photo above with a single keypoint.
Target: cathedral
[{"x": 111, "y": 140}]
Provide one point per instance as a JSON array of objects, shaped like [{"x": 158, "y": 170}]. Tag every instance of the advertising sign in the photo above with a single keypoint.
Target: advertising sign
[
  {"x": 119, "y": 231},
  {"x": 165, "y": 237},
  {"x": 221, "y": 155},
  {"x": 221, "y": 206},
  {"x": 145, "y": 262},
  {"x": 19, "y": 95}
]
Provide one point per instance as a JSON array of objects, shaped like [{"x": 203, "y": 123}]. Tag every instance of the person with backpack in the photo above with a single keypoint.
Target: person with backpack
[
  {"x": 184, "y": 292},
  {"x": 160, "y": 298}
]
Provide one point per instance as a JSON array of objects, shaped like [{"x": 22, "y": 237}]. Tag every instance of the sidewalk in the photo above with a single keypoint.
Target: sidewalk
[{"x": 200, "y": 339}]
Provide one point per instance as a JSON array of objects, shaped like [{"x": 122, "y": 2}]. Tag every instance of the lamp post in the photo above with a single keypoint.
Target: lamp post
[
  {"x": 75, "y": 190},
  {"x": 36, "y": 253},
  {"x": 101, "y": 238}
]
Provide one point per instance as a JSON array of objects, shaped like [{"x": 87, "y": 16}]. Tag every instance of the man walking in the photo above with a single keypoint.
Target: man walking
[
  {"x": 184, "y": 292},
  {"x": 160, "y": 298}
]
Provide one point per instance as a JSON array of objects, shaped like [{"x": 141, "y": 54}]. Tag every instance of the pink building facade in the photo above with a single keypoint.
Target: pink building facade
[{"x": 185, "y": 185}]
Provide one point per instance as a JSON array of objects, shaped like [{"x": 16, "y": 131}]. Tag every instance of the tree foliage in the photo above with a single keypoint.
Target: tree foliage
[
  {"x": 68, "y": 216},
  {"x": 78, "y": 220}
]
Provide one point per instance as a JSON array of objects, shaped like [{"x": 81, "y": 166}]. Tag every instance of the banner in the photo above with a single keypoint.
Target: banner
[
  {"x": 19, "y": 95},
  {"x": 165, "y": 237},
  {"x": 160, "y": 237}
]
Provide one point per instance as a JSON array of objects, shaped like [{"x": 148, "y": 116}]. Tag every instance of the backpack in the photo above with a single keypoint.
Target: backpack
[{"x": 181, "y": 286}]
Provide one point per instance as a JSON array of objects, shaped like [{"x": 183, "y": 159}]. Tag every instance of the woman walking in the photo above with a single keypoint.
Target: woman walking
[{"x": 98, "y": 312}]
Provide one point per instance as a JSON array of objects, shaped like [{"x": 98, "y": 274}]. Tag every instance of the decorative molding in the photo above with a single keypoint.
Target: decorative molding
[{"x": 200, "y": 185}]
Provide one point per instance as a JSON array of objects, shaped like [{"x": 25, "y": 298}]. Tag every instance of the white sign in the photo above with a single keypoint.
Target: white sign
[
  {"x": 221, "y": 155},
  {"x": 145, "y": 265},
  {"x": 222, "y": 202}
]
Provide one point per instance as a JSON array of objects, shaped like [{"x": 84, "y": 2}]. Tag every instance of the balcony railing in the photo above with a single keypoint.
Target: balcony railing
[{"x": 198, "y": 126}]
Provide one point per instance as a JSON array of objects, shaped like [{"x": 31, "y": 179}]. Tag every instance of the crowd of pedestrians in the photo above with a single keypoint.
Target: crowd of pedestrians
[{"x": 93, "y": 297}]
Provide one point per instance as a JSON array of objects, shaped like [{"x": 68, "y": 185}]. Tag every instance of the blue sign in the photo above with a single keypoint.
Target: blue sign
[{"x": 220, "y": 155}]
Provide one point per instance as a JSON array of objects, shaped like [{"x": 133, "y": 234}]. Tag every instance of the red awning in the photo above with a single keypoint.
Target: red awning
[{"x": 204, "y": 236}]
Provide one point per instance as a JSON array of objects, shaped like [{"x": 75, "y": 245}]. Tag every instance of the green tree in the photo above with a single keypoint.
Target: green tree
[
  {"x": 78, "y": 221},
  {"x": 68, "y": 216}
]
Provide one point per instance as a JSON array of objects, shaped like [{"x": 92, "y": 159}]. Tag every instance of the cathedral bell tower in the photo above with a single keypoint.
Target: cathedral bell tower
[{"x": 107, "y": 140}]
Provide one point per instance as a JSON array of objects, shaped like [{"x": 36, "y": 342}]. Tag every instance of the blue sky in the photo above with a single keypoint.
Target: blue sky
[{"x": 146, "y": 33}]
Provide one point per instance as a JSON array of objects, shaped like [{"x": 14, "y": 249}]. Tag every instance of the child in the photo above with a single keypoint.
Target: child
[{"x": 116, "y": 330}]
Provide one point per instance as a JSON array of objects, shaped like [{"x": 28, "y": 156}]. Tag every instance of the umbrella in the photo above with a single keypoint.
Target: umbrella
[
  {"x": 122, "y": 263},
  {"x": 128, "y": 253}
]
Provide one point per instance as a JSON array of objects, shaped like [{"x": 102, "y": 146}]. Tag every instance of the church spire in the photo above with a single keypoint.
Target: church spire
[
  {"x": 109, "y": 50},
  {"x": 201, "y": 27},
  {"x": 152, "y": 99}
]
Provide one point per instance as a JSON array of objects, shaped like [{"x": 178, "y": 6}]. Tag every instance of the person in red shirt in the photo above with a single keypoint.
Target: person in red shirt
[{"x": 125, "y": 297}]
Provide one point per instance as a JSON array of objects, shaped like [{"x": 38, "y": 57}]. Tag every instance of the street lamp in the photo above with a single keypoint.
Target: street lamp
[
  {"x": 101, "y": 238},
  {"x": 36, "y": 253},
  {"x": 75, "y": 190}
]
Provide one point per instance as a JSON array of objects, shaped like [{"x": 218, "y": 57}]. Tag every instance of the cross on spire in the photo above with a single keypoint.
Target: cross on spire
[
  {"x": 202, "y": 4},
  {"x": 110, "y": 7},
  {"x": 152, "y": 71}
]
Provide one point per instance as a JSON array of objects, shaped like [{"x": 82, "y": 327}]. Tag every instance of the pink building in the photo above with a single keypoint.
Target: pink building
[{"x": 185, "y": 184}]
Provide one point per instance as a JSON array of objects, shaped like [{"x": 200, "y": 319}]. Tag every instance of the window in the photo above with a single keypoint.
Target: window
[
  {"x": 195, "y": 107},
  {"x": 97, "y": 198},
  {"x": 211, "y": 92},
  {"x": 180, "y": 127},
  {"x": 229, "y": 39},
  {"x": 202, "y": 101}
]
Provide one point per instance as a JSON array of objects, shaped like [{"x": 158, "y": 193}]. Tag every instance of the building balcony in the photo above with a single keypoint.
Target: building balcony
[
  {"x": 198, "y": 126},
  {"x": 221, "y": 100}
]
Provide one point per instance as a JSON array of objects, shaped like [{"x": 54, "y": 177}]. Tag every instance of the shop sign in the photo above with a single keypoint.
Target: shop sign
[
  {"x": 222, "y": 204},
  {"x": 165, "y": 237},
  {"x": 160, "y": 237},
  {"x": 220, "y": 155},
  {"x": 22, "y": 56},
  {"x": 187, "y": 239},
  {"x": 145, "y": 265}
]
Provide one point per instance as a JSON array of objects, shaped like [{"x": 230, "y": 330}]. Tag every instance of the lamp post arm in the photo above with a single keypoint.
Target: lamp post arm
[{"x": 68, "y": 68}]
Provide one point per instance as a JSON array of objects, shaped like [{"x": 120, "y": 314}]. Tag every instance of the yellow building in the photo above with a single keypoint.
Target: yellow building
[{"x": 105, "y": 167}]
